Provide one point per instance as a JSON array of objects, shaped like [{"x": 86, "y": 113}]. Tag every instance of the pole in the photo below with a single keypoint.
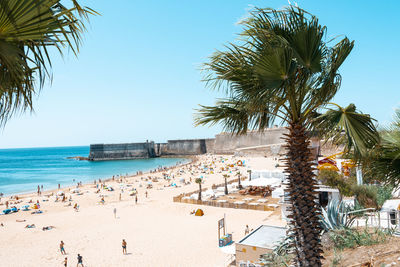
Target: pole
[{"x": 224, "y": 224}]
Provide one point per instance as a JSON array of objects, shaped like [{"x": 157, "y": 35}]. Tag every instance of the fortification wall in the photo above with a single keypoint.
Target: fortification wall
[
  {"x": 122, "y": 151},
  {"x": 186, "y": 147},
  {"x": 254, "y": 142},
  {"x": 226, "y": 143}
]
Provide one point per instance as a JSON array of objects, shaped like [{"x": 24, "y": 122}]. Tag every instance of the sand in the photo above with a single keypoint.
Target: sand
[{"x": 158, "y": 231}]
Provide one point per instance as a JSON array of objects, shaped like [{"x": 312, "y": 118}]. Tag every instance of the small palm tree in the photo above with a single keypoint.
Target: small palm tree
[
  {"x": 28, "y": 29},
  {"x": 283, "y": 69},
  {"x": 239, "y": 183},
  {"x": 226, "y": 176},
  {"x": 199, "y": 181}
]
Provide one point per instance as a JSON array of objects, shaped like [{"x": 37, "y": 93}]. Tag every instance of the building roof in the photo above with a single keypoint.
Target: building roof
[{"x": 264, "y": 236}]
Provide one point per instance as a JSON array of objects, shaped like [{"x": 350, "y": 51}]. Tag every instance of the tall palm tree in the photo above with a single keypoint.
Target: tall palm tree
[
  {"x": 28, "y": 29},
  {"x": 283, "y": 69}
]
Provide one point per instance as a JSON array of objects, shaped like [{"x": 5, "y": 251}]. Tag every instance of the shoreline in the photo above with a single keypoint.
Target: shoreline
[{"x": 33, "y": 193}]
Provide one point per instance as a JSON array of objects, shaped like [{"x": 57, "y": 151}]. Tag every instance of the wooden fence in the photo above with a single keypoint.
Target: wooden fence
[{"x": 214, "y": 203}]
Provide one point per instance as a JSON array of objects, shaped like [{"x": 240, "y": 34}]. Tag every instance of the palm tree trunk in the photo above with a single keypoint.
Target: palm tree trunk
[
  {"x": 239, "y": 183},
  {"x": 199, "y": 198},
  {"x": 226, "y": 186},
  {"x": 304, "y": 226}
]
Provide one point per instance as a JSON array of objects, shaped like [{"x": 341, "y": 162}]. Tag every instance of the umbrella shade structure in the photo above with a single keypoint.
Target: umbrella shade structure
[
  {"x": 262, "y": 182},
  {"x": 327, "y": 166}
]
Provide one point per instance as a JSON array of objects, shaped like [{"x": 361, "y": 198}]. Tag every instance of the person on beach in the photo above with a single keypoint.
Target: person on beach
[
  {"x": 123, "y": 246},
  {"x": 62, "y": 250},
  {"x": 120, "y": 196},
  {"x": 80, "y": 261},
  {"x": 38, "y": 190},
  {"x": 247, "y": 230},
  {"x": 58, "y": 186},
  {"x": 115, "y": 213},
  {"x": 65, "y": 262},
  {"x": 136, "y": 199},
  {"x": 146, "y": 194}
]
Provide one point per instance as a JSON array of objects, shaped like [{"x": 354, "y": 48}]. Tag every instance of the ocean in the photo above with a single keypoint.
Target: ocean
[{"x": 23, "y": 169}]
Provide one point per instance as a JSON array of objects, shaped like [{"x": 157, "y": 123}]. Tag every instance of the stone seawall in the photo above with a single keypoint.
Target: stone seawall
[
  {"x": 122, "y": 151},
  {"x": 266, "y": 143}
]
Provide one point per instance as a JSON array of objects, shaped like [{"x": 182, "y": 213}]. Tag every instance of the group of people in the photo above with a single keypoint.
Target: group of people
[{"x": 80, "y": 258}]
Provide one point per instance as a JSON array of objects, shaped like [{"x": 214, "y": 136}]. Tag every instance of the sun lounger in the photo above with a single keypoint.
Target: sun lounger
[{"x": 262, "y": 200}]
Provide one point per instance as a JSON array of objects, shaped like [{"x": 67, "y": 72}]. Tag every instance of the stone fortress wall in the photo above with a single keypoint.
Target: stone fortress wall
[{"x": 267, "y": 143}]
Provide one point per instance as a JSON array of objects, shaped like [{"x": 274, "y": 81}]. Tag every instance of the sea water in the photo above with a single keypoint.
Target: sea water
[{"x": 23, "y": 169}]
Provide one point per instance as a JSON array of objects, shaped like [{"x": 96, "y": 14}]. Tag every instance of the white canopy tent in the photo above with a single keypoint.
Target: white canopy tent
[{"x": 262, "y": 182}]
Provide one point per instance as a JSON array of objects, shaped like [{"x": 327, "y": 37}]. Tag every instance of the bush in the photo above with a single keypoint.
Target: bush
[
  {"x": 384, "y": 193},
  {"x": 366, "y": 195},
  {"x": 339, "y": 181},
  {"x": 351, "y": 238}
]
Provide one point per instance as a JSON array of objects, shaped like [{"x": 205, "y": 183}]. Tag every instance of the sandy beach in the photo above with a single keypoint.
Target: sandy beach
[{"x": 158, "y": 231}]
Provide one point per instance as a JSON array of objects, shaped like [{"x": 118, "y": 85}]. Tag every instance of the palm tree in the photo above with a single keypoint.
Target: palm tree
[
  {"x": 283, "y": 69},
  {"x": 199, "y": 181},
  {"x": 383, "y": 162},
  {"x": 29, "y": 28},
  {"x": 226, "y": 176},
  {"x": 239, "y": 183}
]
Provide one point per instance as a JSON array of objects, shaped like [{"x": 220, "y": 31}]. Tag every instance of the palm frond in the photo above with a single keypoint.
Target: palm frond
[
  {"x": 348, "y": 127},
  {"x": 28, "y": 28}
]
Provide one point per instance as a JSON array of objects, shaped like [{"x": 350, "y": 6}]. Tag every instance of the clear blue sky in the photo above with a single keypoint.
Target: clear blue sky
[{"x": 137, "y": 76}]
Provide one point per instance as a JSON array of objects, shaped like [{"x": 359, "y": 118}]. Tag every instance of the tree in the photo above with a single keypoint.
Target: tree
[
  {"x": 29, "y": 28},
  {"x": 226, "y": 176},
  {"x": 239, "y": 183},
  {"x": 383, "y": 161},
  {"x": 283, "y": 69},
  {"x": 199, "y": 181}
]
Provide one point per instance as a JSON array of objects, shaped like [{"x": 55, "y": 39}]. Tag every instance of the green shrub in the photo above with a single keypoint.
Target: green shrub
[
  {"x": 351, "y": 238},
  {"x": 339, "y": 181},
  {"x": 366, "y": 195},
  {"x": 384, "y": 193}
]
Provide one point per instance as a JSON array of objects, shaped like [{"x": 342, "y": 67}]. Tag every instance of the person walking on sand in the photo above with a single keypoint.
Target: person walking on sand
[
  {"x": 62, "y": 250},
  {"x": 65, "y": 262},
  {"x": 123, "y": 246},
  {"x": 136, "y": 199},
  {"x": 115, "y": 213},
  {"x": 247, "y": 230},
  {"x": 146, "y": 194},
  {"x": 80, "y": 261}
]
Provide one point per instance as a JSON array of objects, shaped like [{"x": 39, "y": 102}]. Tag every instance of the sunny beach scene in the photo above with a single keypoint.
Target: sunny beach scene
[{"x": 204, "y": 134}]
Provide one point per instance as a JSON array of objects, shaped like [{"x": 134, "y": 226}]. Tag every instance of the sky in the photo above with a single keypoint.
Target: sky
[{"x": 138, "y": 78}]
